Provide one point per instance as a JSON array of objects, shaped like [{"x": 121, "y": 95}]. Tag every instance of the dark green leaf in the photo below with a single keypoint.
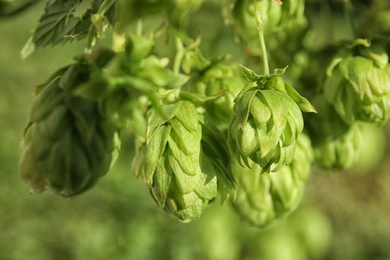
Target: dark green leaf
[{"x": 62, "y": 21}]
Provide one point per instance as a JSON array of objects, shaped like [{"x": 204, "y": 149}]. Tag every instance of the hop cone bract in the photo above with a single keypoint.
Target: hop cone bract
[
  {"x": 182, "y": 177},
  {"x": 358, "y": 84},
  {"x": 67, "y": 145},
  {"x": 262, "y": 199}
]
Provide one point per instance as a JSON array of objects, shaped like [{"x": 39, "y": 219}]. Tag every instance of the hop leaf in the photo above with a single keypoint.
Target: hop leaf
[
  {"x": 67, "y": 145},
  {"x": 177, "y": 165},
  {"x": 358, "y": 85},
  {"x": 64, "y": 21},
  {"x": 262, "y": 199}
]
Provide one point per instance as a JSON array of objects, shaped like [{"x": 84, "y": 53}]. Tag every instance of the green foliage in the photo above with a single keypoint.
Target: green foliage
[
  {"x": 168, "y": 105},
  {"x": 67, "y": 20},
  {"x": 172, "y": 78}
]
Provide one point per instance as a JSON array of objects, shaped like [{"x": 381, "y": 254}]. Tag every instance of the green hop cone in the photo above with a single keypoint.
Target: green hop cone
[
  {"x": 216, "y": 83},
  {"x": 213, "y": 82},
  {"x": 267, "y": 120},
  {"x": 358, "y": 84},
  {"x": 182, "y": 177},
  {"x": 67, "y": 145},
  {"x": 336, "y": 144},
  {"x": 221, "y": 79},
  {"x": 341, "y": 152},
  {"x": 262, "y": 199}
]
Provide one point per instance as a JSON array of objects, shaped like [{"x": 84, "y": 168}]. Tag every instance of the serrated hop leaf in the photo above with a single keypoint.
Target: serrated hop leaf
[
  {"x": 265, "y": 126},
  {"x": 358, "y": 84},
  {"x": 262, "y": 199},
  {"x": 336, "y": 144},
  {"x": 67, "y": 144},
  {"x": 177, "y": 165}
]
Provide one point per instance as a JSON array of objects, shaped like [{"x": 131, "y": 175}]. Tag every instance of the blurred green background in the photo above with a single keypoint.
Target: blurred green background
[{"x": 344, "y": 215}]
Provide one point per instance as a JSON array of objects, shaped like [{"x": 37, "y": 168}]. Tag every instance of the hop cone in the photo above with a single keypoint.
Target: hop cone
[
  {"x": 67, "y": 144},
  {"x": 262, "y": 199},
  {"x": 217, "y": 80},
  {"x": 341, "y": 152},
  {"x": 358, "y": 84},
  {"x": 336, "y": 144},
  {"x": 214, "y": 82},
  {"x": 182, "y": 177},
  {"x": 265, "y": 125}
]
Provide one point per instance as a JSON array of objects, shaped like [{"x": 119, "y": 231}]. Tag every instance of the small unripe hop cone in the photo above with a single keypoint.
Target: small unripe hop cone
[
  {"x": 67, "y": 145},
  {"x": 358, "y": 84}
]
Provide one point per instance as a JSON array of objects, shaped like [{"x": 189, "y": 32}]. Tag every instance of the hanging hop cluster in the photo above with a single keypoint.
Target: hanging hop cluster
[
  {"x": 68, "y": 144},
  {"x": 267, "y": 120}
]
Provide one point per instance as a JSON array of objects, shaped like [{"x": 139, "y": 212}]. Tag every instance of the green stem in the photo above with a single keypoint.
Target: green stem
[
  {"x": 92, "y": 29},
  {"x": 259, "y": 23},
  {"x": 179, "y": 56},
  {"x": 90, "y": 39},
  {"x": 348, "y": 17},
  {"x": 105, "y": 6}
]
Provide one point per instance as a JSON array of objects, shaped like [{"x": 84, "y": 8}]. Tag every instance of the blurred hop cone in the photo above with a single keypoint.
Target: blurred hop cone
[
  {"x": 183, "y": 172},
  {"x": 266, "y": 123},
  {"x": 262, "y": 199},
  {"x": 67, "y": 144},
  {"x": 336, "y": 144},
  {"x": 358, "y": 84},
  {"x": 339, "y": 152},
  {"x": 220, "y": 79}
]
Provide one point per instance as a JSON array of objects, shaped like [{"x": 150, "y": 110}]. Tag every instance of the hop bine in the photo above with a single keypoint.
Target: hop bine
[
  {"x": 183, "y": 162},
  {"x": 262, "y": 199},
  {"x": 67, "y": 144}
]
